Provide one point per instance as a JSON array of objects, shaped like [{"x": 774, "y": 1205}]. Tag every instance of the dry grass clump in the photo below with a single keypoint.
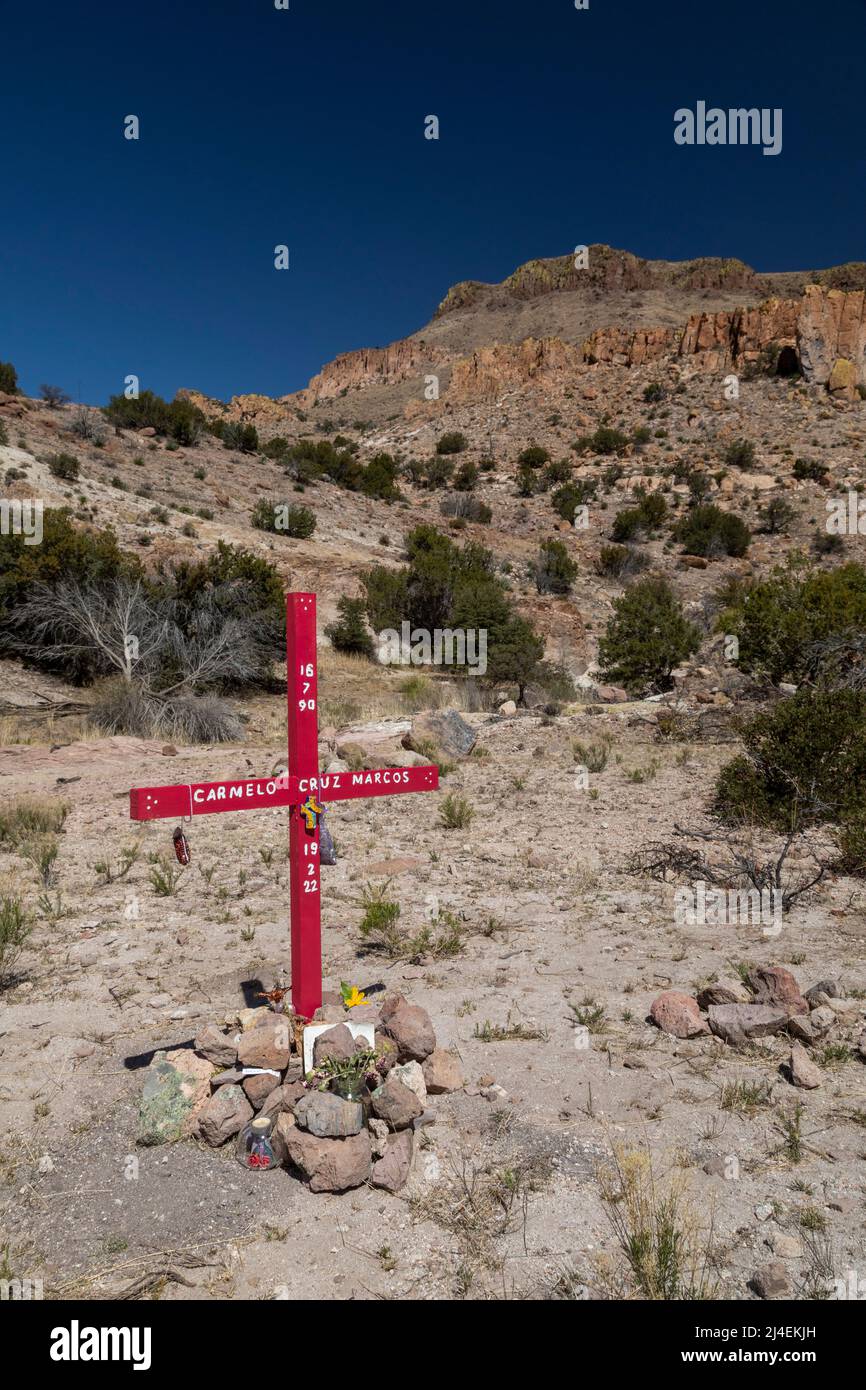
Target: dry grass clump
[{"x": 665, "y": 1243}]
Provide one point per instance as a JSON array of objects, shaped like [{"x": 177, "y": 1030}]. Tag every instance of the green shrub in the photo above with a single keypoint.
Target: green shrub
[
  {"x": 63, "y": 466},
  {"x": 379, "y": 478},
  {"x": 555, "y": 473},
  {"x": 179, "y": 419},
  {"x": 534, "y": 456},
  {"x": 349, "y": 633},
  {"x": 776, "y": 516},
  {"x": 282, "y": 519},
  {"x": 605, "y": 441},
  {"x": 15, "y": 927},
  {"x": 804, "y": 763},
  {"x": 244, "y": 438},
  {"x": 554, "y": 571},
  {"x": 646, "y": 637},
  {"x": 451, "y": 443},
  {"x": 711, "y": 532},
  {"x": 566, "y": 499},
  {"x": 641, "y": 520},
  {"x": 466, "y": 477},
  {"x": 620, "y": 561},
  {"x": 8, "y": 379},
  {"x": 740, "y": 453},
  {"x": 455, "y": 813},
  {"x": 780, "y": 620},
  {"x": 654, "y": 392},
  {"x": 810, "y": 470}
]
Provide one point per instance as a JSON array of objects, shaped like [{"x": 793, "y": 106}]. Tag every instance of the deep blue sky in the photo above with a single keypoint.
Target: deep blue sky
[{"x": 261, "y": 126}]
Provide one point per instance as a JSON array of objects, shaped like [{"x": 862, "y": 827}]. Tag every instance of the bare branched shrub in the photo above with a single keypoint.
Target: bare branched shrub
[
  {"x": 740, "y": 864},
  {"x": 166, "y": 657}
]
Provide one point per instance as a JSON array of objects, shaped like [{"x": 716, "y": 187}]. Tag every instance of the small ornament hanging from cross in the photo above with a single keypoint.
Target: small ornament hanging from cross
[{"x": 300, "y": 789}]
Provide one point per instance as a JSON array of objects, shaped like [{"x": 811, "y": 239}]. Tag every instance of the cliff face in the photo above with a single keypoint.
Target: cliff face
[{"x": 821, "y": 325}]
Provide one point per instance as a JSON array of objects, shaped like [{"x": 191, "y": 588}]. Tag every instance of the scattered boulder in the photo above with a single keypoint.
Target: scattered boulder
[
  {"x": 822, "y": 1019},
  {"x": 735, "y": 1023},
  {"x": 802, "y": 1070},
  {"x": 176, "y": 1088},
  {"x": 611, "y": 694},
  {"x": 828, "y": 987},
  {"x": 770, "y": 1280},
  {"x": 392, "y": 1169},
  {"x": 412, "y": 1031},
  {"x": 772, "y": 984},
  {"x": 442, "y": 1072},
  {"x": 730, "y": 990},
  {"x": 396, "y": 1104},
  {"x": 225, "y": 1114},
  {"x": 213, "y": 1044},
  {"x": 266, "y": 1045},
  {"x": 678, "y": 1014},
  {"x": 352, "y": 754},
  {"x": 802, "y": 1028},
  {"x": 444, "y": 729},
  {"x": 508, "y": 707},
  {"x": 330, "y": 1165}
]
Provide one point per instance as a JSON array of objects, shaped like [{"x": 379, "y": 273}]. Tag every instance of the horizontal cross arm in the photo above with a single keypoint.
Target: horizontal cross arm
[{"x": 209, "y": 798}]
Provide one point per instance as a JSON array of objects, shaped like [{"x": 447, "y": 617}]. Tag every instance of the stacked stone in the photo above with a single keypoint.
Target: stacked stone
[{"x": 330, "y": 1142}]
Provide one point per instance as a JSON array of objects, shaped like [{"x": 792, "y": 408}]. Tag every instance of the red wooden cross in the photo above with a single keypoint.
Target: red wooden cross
[{"x": 295, "y": 790}]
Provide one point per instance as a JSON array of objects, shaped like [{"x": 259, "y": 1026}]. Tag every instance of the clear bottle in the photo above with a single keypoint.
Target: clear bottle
[{"x": 255, "y": 1147}]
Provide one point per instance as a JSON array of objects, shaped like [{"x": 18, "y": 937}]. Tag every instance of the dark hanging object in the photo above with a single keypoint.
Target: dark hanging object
[
  {"x": 181, "y": 847},
  {"x": 327, "y": 848}
]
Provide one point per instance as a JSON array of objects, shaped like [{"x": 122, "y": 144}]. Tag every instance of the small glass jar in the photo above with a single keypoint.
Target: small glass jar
[{"x": 255, "y": 1148}]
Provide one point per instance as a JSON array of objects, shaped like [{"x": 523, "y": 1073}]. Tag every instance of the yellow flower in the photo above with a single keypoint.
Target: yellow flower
[{"x": 353, "y": 997}]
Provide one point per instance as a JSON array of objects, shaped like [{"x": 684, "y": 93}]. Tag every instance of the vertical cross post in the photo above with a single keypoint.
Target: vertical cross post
[{"x": 302, "y": 682}]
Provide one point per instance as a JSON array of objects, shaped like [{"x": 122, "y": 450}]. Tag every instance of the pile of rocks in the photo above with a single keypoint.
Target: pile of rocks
[
  {"x": 253, "y": 1062},
  {"x": 767, "y": 1002}
]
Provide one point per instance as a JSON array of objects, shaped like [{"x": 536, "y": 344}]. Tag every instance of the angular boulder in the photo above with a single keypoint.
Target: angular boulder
[
  {"x": 330, "y": 1165},
  {"x": 445, "y": 730},
  {"x": 396, "y": 1104},
  {"x": 329, "y": 1116},
  {"x": 337, "y": 1045},
  {"x": 412, "y": 1031},
  {"x": 443, "y": 1072},
  {"x": 729, "y": 990},
  {"x": 773, "y": 984},
  {"x": 225, "y": 1114},
  {"x": 176, "y": 1088},
  {"x": 736, "y": 1023},
  {"x": 677, "y": 1014},
  {"x": 267, "y": 1045},
  {"x": 802, "y": 1070},
  {"x": 392, "y": 1169},
  {"x": 212, "y": 1043}
]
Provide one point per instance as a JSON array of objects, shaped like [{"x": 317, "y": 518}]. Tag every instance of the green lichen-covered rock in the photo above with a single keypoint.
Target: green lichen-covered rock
[{"x": 176, "y": 1086}]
